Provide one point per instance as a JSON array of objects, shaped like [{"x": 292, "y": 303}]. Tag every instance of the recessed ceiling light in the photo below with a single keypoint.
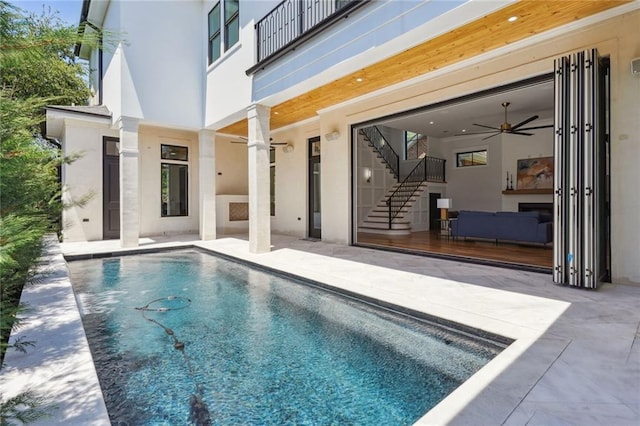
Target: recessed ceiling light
[
  {"x": 358, "y": 79},
  {"x": 431, "y": 122},
  {"x": 512, "y": 19},
  {"x": 464, "y": 130},
  {"x": 276, "y": 112}
]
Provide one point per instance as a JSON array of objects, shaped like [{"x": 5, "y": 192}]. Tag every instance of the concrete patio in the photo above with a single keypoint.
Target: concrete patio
[{"x": 575, "y": 359}]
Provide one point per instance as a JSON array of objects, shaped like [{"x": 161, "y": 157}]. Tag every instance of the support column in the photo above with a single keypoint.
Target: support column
[
  {"x": 129, "y": 182},
  {"x": 259, "y": 196},
  {"x": 207, "y": 184}
]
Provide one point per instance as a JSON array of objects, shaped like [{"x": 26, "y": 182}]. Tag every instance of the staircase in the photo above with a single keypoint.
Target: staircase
[{"x": 377, "y": 221}]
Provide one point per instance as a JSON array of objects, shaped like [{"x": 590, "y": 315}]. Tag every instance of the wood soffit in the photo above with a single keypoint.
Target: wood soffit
[{"x": 480, "y": 36}]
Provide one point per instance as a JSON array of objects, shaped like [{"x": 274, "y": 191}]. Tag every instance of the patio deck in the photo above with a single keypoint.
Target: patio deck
[{"x": 575, "y": 359}]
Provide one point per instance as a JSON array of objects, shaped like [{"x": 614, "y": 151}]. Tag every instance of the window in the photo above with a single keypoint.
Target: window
[
  {"x": 471, "y": 158},
  {"x": 415, "y": 145},
  {"x": 174, "y": 181},
  {"x": 272, "y": 174},
  {"x": 231, "y": 23},
  {"x": 231, "y": 33},
  {"x": 214, "y": 33}
]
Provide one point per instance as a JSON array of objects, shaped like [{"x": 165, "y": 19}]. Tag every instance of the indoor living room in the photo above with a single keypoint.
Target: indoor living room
[{"x": 495, "y": 202}]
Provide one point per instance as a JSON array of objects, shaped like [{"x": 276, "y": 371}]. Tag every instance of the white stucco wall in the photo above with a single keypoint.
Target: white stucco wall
[
  {"x": 83, "y": 178},
  {"x": 150, "y": 140},
  {"x": 155, "y": 73}
]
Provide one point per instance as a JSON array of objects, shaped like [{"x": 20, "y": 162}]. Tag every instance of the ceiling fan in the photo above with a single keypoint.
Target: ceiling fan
[
  {"x": 246, "y": 140},
  {"x": 506, "y": 127}
]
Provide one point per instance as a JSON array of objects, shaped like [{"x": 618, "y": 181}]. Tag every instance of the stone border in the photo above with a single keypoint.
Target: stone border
[{"x": 60, "y": 366}]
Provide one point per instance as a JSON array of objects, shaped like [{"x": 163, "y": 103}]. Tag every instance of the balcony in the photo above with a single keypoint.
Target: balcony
[{"x": 293, "y": 22}]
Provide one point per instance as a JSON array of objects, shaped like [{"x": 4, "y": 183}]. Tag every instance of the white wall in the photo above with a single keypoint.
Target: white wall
[
  {"x": 232, "y": 167},
  {"x": 155, "y": 74},
  {"x": 370, "y": 193},
  {"x": 151, "y": 222},
  {"x": 83, "y": 178},
  {"x": 516, "y": 148}
]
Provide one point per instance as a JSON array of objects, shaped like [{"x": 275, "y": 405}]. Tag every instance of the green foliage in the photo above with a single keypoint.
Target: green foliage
[{"x": 24, "y": 408}]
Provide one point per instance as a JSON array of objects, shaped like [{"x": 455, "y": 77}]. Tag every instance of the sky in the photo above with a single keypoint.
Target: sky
[{"x": 69, "y": 9}]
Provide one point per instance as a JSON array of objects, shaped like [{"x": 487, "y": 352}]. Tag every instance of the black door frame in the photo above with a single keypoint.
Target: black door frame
[{"x": 312, "y": 232}]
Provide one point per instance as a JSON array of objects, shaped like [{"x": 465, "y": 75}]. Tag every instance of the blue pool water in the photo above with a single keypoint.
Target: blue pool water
[{"x": 258, "y": 348}]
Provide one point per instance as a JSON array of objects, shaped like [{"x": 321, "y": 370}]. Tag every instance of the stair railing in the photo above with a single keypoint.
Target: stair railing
[
  {"x": 376, "y": 139},
  {"x": 428, "y": 169}
]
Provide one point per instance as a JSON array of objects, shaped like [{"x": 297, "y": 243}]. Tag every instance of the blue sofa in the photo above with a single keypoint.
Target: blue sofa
[{"x": 533, "y": 227}]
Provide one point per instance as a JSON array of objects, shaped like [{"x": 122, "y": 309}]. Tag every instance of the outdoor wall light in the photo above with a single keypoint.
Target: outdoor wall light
[
  {"x": 287, "y": 148},
  {"x": 332, "y": 136}
]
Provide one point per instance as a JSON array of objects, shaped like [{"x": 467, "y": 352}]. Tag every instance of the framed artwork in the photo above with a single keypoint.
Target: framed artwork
[{"x": 535, "y": 173}]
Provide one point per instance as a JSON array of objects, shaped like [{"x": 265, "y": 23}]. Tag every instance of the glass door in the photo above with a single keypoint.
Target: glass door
[{"x": 315, "y": 230}]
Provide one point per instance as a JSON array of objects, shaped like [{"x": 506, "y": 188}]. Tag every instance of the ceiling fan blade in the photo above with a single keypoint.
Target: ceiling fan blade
[
  {"x": 242, "y": 142},
  {"x": 489, "y": 137},
  {"x": 521, "y": 133},
  {"x": 488, "y": 127},
  {"x": 537, "y": 127},
  {"x": 476, "y": 133},
  {"x": 522, "y": 123}
]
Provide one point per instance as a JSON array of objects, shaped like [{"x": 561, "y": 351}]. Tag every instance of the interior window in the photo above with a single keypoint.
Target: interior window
[{"x": 471, "y": 158}]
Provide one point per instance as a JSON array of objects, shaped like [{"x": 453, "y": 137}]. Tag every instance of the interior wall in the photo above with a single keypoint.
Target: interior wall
[
  {"x": 370, "y": 193},
  {"x": 516, "y": 148}
]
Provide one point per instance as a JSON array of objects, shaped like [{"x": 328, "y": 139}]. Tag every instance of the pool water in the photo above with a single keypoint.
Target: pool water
[{"x": 258, "y": 348}]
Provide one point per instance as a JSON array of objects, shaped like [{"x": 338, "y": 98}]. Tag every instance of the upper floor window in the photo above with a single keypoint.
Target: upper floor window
[
  {"x": 214, "y": 33},
  {"x": 231, "y": 23},
  {"x": 471, "y": 158},
  {"x": 227, "y": 12}
]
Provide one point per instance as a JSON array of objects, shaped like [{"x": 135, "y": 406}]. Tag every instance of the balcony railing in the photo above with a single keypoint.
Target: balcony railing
[{"x": 293, "y": 21}]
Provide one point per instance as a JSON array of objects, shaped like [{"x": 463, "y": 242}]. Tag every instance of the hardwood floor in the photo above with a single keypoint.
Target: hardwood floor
[{"x": 432, "y": 242}]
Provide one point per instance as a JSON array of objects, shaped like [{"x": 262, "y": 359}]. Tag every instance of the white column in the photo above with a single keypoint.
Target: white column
[
  {"x": 259, "y": 198},
  {"x": 207, "y": 184},
  {"x": 129, "y": 182}
]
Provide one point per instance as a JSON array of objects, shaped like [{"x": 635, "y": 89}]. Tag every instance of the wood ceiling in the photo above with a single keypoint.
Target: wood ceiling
[{"x": 483, "y": 35}]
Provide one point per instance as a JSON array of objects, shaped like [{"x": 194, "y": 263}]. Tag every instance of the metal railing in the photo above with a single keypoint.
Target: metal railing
[
  {"x": 291, "y": 19},
  {"x": 428, "y": 169},
  {"x": 376, "y": 139}
]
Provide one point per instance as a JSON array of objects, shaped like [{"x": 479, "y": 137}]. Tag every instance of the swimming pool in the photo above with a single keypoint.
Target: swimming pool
[{"x": 258, "y": 348}]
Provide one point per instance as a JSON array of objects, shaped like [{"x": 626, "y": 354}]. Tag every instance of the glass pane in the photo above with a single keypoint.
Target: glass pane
[
  {"x": 214, "y": 48},
  {"x": 174, "y": 190},
  {"x": 172, "y": 152},
  {"x": 480, "y": 158},
  {"x": 112, "y": 148},
  {"x": 232, "y": 32},
  {"x": 214, "y": 20},
  {"x": 272, "y": 190},
  {"x": 464, "y": 159},
  {"x": 231, "y": 7}
]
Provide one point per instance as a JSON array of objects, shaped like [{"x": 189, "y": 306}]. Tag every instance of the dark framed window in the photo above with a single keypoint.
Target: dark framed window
[
  {"x": 214, "y": 33},
  {"x": 272, "y": 174},
  {"x": 173, "y": 152},
  {"x": 471, "y": 158},
  {"x": 174, "y": 181},
  {"x": 231, "y": 23}
]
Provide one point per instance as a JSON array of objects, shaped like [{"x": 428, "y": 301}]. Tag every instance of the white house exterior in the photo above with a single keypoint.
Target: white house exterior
[{"x": 161, "y": 90}]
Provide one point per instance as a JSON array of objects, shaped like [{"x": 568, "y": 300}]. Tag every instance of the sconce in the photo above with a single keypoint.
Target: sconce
[
  {"x": 332, "y": 136},
  {"x": 287, "y": 148},
  {"x": 367, "y": 174}
]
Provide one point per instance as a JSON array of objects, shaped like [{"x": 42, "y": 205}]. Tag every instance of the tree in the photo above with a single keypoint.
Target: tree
[{"x": 37, "y": 67}]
